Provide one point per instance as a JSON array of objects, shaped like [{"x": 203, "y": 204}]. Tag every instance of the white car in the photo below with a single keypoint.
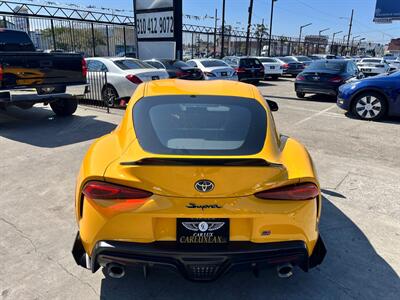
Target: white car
[
  {"x": 373, "y": 66},
  {"x": 394, "y": 64},
  {"x": 273, "y": 67},
  {"x": 118, "y": 77},
  {"x": 214, "y": 69}
]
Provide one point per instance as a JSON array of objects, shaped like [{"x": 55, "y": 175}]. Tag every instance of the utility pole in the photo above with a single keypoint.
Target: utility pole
[
  {"x": 333, "y": 39},
  {"x": 352, "y": 43},
  {"x": 270, "y": 27},
  {"x": 319, "y": 38},
  {"x": 223, "y": 29},
  {"x": 249, "y": 26},
  {"x": 215, "y": 32},
  {"x": 351, "y": 24}
]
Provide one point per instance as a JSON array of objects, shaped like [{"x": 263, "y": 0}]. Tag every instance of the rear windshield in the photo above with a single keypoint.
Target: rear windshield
[
  {"x": 213, "y": 63},
  {"x": 176, "y": 63},
  {"x": 327, "y": 65},
  {"x": 200, "y": 125},
  {"x": 371, "y": 60},
  {"x": 303, "y": 58},
  {"x": 130, "y": 64},
  {"x": 250, "y": 62},
  {"x": 267, "y": 60},
  {"x": 287, "y": 59},
  {"x": 15, "y": 41}
]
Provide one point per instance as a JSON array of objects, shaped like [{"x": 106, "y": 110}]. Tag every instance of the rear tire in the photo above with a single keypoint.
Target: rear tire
[
  {"x": 109, "y": 95},
  {"x": 64, "y": 107},
  {"x": 300, "y": 94},
  {"x": 275, "y": 77},
  {"x": 370, "y": 106}
]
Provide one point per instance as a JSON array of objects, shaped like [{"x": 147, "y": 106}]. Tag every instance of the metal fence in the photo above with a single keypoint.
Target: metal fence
[
  {"x": 97, "y": 95},
  {"x": 202, "y": 41}
]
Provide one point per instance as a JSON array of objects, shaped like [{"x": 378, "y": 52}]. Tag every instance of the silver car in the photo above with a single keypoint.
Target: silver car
[{"x": 214, "y": 69}]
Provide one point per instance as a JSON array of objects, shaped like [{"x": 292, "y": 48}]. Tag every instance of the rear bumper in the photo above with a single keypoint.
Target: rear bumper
[
  {"x": 316, "y": 89},
  {"x": 32, "y": 95},
  {"x": 199, "y": 265}
]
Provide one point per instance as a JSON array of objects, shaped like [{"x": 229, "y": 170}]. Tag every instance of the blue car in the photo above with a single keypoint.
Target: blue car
[{"x": 372, "y": 98}]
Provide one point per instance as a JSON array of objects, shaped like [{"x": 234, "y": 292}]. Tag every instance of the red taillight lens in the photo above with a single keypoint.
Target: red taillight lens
[
  {"x": 108, "y": 191},
  {"x": 303, "y": 191},
  {"x": 84, "y": 68},
  {"x": 300, "y": 78},
  {"x": 1, "y": 73},
  {"x": 336, "y": 79},
  {"x": 240, "y": 70},
  {"x": 285, "y": 66},
  {"x": 134, "y": 79}
]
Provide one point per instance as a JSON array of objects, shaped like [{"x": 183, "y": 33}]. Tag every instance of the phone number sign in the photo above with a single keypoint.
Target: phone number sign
[{"x": 155, "y": 25}]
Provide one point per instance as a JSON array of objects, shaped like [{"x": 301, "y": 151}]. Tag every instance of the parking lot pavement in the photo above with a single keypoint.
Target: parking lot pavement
[{"x": 359, "y": 168}]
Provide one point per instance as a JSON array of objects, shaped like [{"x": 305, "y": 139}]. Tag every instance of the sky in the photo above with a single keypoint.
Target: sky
[{"x": 289, "y": 15}]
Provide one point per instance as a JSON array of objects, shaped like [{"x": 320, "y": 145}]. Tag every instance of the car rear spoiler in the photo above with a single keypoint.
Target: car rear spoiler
[{"x": 229, "y": 162}]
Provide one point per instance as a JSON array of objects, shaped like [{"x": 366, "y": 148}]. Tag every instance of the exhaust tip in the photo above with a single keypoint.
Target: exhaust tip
[
  {"x": 285, "y": 270},
  {"x": 115, "y": 270}
]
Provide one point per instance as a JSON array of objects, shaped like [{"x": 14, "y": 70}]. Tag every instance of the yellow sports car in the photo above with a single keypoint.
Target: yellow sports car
[{"x": 197, "y": 179}]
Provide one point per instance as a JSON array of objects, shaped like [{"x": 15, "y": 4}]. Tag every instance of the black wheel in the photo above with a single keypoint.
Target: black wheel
[
  {"x": 300, "y": 94},
  {"x": 275, "y": 77},
  {"x": 369, "y": 106},
  {"x": 64, "y": 107},
  {"x": 109, "y": 95}
]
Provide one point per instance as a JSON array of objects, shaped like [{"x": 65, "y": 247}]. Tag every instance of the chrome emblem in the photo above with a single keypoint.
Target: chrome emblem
[
  {"x": 204, "y": 186},
  {"x": 203, "y": 226}
]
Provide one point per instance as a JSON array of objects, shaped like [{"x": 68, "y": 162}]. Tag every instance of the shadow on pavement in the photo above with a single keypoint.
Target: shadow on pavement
[
  {"x": 352, "y": 269},
  {"x": 387, "y": 119},
  {"x": 41, "y": 127}
]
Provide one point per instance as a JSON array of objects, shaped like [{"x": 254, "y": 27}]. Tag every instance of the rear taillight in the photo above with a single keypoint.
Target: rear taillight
[
  {"x": 240, "y": 70},
  {"x": 300, "y": 78},
  {"x": 302, "y": 191},
  {"x": 108, "y": 191},
  {"x": 1, "y": 73},
  {"x": 84, "y": 68},
  {"x": 134, "y": 79},
  {"x": 285, "y": 66},
  {"x": 336, "y": 79}
]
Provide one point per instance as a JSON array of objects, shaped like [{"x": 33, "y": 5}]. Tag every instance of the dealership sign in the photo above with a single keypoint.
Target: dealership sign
[
  {"x": 159, "y": 28},
  {"x": 386, "y": 11}
]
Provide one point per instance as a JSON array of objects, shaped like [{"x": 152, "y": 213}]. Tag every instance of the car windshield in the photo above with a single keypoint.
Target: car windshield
[
  {"x": 213, "y": 63},
  {"x": 175, "y": 125},
  {"x": 130, "y": 64},
  {"x": 371, "y": 60},
  {"x": 287, "y": 59},
  {"x": 303, "y": 58},
  {"x": 327, "y": 65}
]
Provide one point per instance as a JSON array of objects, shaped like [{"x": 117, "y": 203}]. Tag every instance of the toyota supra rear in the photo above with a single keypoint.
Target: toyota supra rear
[{"x": 196, "y": 179}]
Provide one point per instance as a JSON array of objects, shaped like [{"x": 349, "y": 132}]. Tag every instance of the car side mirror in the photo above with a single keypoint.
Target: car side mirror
[{"x": 273, "y": 106}]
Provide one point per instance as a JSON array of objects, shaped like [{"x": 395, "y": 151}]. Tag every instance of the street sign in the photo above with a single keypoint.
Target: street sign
[{"x": 159, "y": 28}]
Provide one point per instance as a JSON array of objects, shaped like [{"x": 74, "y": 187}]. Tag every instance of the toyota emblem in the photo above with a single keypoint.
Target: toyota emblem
[{"x": 204, "y": 186}]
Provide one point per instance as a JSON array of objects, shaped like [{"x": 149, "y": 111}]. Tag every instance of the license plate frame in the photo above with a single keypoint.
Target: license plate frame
[{"x": 202, "y": 232}]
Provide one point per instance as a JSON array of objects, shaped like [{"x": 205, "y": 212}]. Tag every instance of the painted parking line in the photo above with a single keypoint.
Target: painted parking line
[{"x": 315, "y": 115}]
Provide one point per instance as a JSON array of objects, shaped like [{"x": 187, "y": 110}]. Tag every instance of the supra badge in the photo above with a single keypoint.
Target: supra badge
[
  {"x": 203, "y": 226},
  {"x": 204, "y": 185}
]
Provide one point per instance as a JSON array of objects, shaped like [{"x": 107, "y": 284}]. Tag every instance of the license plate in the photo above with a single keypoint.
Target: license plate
[
  {"x": 155, "y": 77},
  {"x": 272, "y": 67},
  {"x": 202, "y": 232},
  {"x": 224, "y": 74}
]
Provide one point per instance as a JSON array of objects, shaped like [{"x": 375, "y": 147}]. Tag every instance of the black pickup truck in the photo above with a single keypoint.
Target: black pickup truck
[{"x": 28, "y": 76}]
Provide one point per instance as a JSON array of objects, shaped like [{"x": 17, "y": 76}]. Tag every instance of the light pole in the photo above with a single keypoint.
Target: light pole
[
  {"x": 301, "y": 29},
  {"x": 319, "y": 37},
  {"x": 333, "y": 39},
  {"x": 270, "y": 26},
  {"x": 359, "y": 42},
  {"x": 352, "y": 43}
]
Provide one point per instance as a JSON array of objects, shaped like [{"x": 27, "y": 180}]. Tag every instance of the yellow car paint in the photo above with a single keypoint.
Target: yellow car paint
[{"x": 172, "y": 186}]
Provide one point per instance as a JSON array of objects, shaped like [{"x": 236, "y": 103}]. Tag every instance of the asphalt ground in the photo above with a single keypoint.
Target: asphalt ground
[{"x": 358, "y": 164}]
